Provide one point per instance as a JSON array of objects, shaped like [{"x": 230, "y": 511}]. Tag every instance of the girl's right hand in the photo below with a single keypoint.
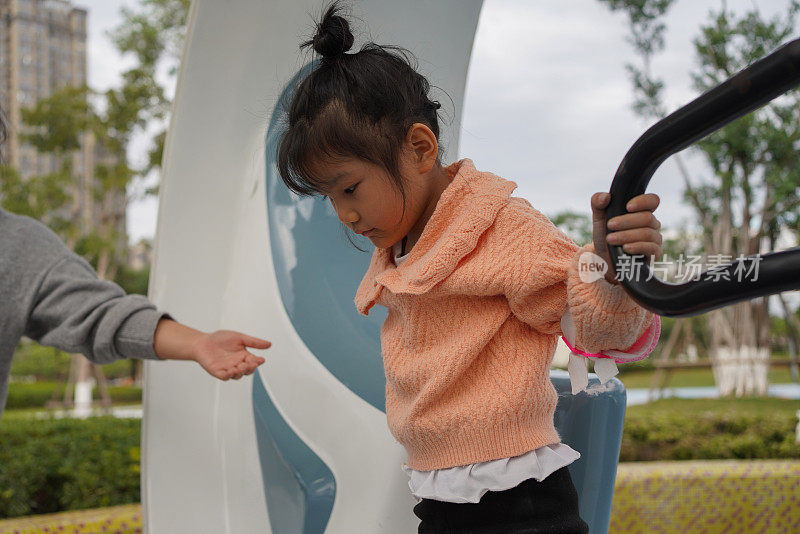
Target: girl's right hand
[{"x": 637, "y": 231}]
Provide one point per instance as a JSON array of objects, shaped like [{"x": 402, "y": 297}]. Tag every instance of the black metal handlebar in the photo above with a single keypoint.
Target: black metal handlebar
[{"x": 748, "y": 90}]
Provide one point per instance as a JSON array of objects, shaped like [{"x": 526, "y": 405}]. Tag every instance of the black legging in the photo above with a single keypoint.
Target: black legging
[{"x": 549, "y": 506}]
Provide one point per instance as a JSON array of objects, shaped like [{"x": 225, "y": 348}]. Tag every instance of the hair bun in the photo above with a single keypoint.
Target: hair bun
[{"x": 333, "y": 37}]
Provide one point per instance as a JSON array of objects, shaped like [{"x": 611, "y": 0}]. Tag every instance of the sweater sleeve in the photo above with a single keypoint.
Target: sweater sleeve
[
  {"x": 75, "y": 311},
  {"x": 543, "y": 286}
]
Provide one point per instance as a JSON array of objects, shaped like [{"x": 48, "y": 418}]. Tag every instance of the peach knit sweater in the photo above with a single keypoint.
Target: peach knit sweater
[{"x": 474, "y": 318}]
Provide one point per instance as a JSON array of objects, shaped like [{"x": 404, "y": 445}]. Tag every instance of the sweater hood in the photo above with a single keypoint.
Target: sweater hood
[{"x": 464, "y": 211}]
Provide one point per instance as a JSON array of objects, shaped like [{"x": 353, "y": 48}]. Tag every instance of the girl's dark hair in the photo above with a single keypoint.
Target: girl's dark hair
[{"x": 352, "y": 105}]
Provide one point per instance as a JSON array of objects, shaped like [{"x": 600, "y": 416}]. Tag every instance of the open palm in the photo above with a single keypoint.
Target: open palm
[{"x": 223, "y": 354}]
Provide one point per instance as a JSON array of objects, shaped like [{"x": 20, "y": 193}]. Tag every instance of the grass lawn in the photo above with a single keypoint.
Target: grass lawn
[
  {"x": 15, "y": 414},
  {"x": 642, "y": 378},
  {"x": 698, "y": 407}
]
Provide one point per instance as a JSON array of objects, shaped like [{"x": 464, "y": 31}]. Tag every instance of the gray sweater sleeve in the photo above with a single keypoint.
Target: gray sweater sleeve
[
  {"x": 52, "y": 295},
  {"x": 75, "y": 311}
]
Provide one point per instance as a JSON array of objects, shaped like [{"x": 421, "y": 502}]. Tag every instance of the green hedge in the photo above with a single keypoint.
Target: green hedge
[
  {"x": 37, "y": 394},
  {"x": 52, "y": 465},
  {"x": 726, "y": 429}
]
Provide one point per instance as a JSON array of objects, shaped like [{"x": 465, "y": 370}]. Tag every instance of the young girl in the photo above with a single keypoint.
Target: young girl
[{"x": 478, "y": 284}]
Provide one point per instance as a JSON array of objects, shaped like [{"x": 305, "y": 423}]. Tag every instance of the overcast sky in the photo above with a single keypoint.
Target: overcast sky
[{"x": 547, "y": 101}]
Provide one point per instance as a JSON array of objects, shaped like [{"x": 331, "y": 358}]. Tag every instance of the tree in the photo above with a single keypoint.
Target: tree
[
  {"x": 41, "y": 197},
  {"x": 154, "y": 36},
  {"x": 57, "y": 125},
  {"x": 755, "y": 156},
  {"x": 63, "y": 124}
]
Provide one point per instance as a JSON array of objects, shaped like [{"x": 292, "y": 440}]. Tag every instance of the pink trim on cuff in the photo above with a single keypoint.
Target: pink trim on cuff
[
  {"x": 638, "y": 351},
  {"x": 587, "y": 354}
]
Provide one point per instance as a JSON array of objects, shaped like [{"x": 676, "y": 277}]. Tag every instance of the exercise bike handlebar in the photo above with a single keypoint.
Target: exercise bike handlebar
[{"x": 748, "y": 90}]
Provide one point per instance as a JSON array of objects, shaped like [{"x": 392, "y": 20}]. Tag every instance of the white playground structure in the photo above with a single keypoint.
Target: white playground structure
[{"x": 213, "y": 268}]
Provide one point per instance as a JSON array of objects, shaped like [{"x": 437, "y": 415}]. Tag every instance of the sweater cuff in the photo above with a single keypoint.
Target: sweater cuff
[
  {"x": 605, "y": 316},
  {"x": 589, "y": 292},
  {"x": 136, "y": 335}
]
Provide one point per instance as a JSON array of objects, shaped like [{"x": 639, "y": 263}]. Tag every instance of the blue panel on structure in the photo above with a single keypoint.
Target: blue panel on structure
[
  {"x": 318, "y": 273},
  {"x": 299, "y": 487}
]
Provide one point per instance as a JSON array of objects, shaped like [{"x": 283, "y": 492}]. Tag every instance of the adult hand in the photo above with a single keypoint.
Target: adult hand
[{"x": 223, "y": 354}]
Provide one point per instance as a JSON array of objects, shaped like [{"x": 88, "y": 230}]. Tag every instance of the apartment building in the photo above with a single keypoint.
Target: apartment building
[{"x": 43, "y": 48}]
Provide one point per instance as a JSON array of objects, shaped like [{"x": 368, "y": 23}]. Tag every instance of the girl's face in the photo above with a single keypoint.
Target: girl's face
[{"x": 365, "y": 199}]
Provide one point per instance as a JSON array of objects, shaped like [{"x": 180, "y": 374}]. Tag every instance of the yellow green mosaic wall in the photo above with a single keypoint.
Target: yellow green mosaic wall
[
  {"x": 125, "y": 519},
  {"x": 704, "y": 497},
  {"x": 699, "y": 497}
]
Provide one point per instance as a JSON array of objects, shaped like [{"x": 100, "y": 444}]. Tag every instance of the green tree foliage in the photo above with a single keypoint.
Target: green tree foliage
[
  {"x": 577, "y": 226},
  {"x": 134, "y": 281},
  {"x": 61, "y": 125},
  {"x": 154, "y": 35},
  {"x": 40, "y": 197},
  {"x": 759, "y": 152},
  {"x": 647, "y": 37},
  {"x": 57, "y": 126},
  {"x": 58, "y": 122}
]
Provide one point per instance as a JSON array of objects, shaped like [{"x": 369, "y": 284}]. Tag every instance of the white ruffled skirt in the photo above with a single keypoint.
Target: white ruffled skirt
[{"x": 468, "y": 483}]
